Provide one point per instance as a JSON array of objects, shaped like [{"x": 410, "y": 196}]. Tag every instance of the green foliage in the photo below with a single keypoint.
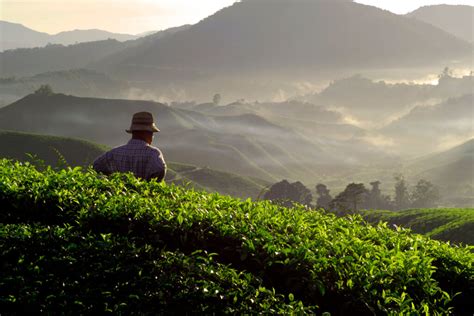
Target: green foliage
[
  {"x": 351, "y": 199},
  {"x": 449, "y": 224},
  {"x": 77, "y": 242},
  {"x": 287, "y": 194},
  {"x": 425, "y": 194}
]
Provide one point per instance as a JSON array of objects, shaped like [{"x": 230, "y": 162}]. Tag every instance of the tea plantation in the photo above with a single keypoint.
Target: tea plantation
[
  {"x": 77, "y": 242},
  {"x": 449, "y": 224}
]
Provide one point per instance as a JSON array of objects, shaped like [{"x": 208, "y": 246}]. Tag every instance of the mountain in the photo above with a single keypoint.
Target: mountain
[
  {"x": 81, "y": 36},
  {"x": 452, "y": 170},
  {"x": 81, "y": 82},
  {"x": 379, "y": 102},
  {"x": 246, "y": 145},
  {"x": 426, "y": 127},
  {"x": 455, "y": 19},
  {"x": 18, "y": 36},
  {"x": 31, "y": 61},
  {"x": 53, "y": 151},
  {"x": 58, "y": 57},
  {"x": 306, "y": 35}
]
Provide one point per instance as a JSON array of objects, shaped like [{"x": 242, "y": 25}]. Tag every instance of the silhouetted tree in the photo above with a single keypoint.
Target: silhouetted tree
[
  {"x": 447, "y": 73},
  {"x": 216, "y": 99},
  {"x": 287, "y": 194},
  {"x": 352, "y": 199},
  {"x": 324, "y": 198},
  {"x": 44, "y": 89},
  {"x": 402, "y": 197},
  {"x": 376, "y": 200},
  {"x": 425, "y": 194}
]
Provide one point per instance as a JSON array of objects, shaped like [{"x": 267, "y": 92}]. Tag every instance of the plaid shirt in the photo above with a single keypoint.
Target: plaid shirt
[{"x": 136, "y": 156}]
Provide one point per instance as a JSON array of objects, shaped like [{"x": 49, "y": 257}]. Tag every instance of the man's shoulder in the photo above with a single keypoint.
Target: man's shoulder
[
  {"x": 120, "y": 148},
  {"x": 154, "y": 149}
]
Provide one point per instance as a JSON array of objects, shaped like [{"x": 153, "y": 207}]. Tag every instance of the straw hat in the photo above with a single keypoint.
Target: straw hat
[{"x": 143, "y": 121}]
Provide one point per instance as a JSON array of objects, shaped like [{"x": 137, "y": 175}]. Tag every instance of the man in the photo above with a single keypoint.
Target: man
[{"x": 137, "y": 156}]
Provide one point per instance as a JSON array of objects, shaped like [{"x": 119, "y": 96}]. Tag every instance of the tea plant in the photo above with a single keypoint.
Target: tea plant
[{"x": 293, "y": 260}]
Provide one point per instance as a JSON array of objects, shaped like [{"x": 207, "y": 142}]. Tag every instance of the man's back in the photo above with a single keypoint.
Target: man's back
[{"x": 137, "y": 156}]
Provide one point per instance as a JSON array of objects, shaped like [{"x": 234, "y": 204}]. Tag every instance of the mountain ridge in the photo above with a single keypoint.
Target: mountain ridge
[
  {"x": 455, "y": 19},
  {"x": 16, "y": 35}
]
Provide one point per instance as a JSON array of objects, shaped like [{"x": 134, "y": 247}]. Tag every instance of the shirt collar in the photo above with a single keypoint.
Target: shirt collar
[{"x": 137, "y": 142}]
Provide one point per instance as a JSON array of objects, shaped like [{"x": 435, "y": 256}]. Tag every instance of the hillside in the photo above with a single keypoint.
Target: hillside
[
  {"x": 31, "y": 61},
  {"x": 81, "y": 82},
  {"x": 61, "y": 152},
  {"x": 450, "y": 119},
  {"x": 70, "y": 52},
  {"x": 455, "y": 19},
  {"x": 452, "y": 170},
  {"x": 379, "y": 102},
  {"x": 454, "y": 225},
  {"x": 244, "y": 145},
  {"x": 75, "y": 242},
  {"x": 308, "y": 36},
  {"x": 51, "y": 150},
  {"x": 15, "y": 36}
]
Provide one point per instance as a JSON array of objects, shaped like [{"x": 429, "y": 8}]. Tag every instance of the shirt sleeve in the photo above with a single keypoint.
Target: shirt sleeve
[
  {"x": 157, "y": 166},
  {"x": 100, "y": 165}
]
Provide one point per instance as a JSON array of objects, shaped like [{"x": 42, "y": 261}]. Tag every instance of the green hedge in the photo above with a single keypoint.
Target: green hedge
[{"x": 301, "y": 260}]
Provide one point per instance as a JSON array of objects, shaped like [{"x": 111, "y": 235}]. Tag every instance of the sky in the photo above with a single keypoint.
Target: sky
[{"x": 137, "y": 16}]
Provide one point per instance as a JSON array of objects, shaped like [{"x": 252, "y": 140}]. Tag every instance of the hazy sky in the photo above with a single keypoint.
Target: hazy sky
[{"x": 136, "y": 16}]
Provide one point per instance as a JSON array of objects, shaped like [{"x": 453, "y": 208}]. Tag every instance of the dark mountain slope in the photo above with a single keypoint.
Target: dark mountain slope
[
  {"x": 30, "y": 61},
  {"x": 455, "y": 19},
  {"x": 261, "y": 35}
]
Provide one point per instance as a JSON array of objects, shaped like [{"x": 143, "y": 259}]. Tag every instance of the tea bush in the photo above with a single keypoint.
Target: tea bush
[{"x": 86, "y": 230}]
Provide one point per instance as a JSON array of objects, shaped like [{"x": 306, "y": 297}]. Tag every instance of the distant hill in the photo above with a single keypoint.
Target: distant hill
[
  {"x": 215, "y": 181},
  {"x": 81, "y": 82},
  {"x": 455, "y": 19},
  {"x": 451, "y": 119},
  {"x": 31, "y": 61},
  {"x": 15, "y": 36},
  {"x": 82, "y": 36},
  {"x": 380, "y": 101},
  {"x": 244, "y": 145},
  {"x": 452, "y": 170},
  {"x": 61, "y": 152},
  {"x": 59, "y": 55},
  {"x": 307, "y": 35},
  {"x": 50, "y": 149}
]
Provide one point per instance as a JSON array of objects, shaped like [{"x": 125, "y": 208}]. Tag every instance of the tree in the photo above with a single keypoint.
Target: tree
[
  {"x": 287, "y": 194},
  {"x": 324, "y": 198},
  {"x": 425, "y": 194},
  {"x": 447, "y": 73},
  {"x": 352, "y": 199},
  {"x": 44, "y": 89},
  {"x": 376, "y": 200},
  {"x": 216, "y": 99},
  {"x": 402, "y": 197}
]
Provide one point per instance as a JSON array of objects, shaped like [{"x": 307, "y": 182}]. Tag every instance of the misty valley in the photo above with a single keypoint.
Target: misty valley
[{"x": 308, "y": 139}]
